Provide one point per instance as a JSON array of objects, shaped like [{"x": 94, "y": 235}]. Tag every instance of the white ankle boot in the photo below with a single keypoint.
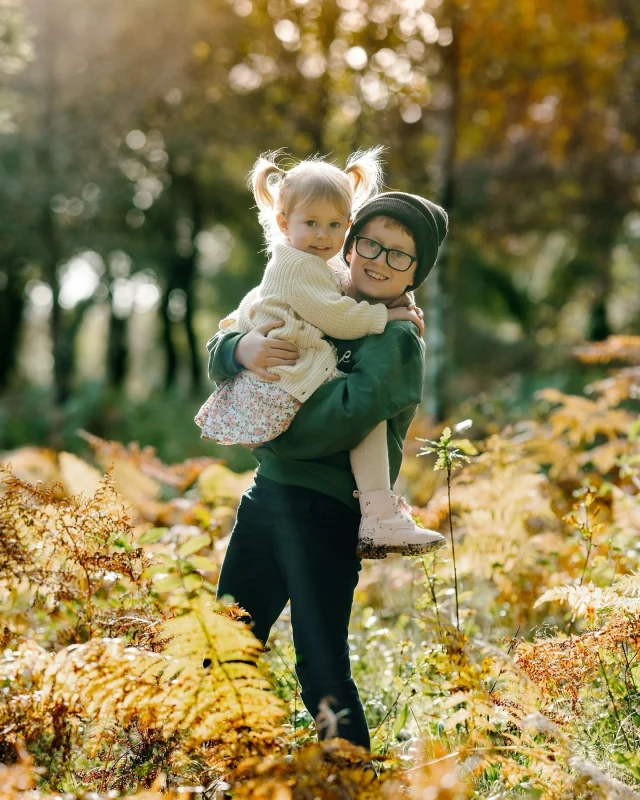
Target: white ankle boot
[{"x": 387, "y": 527}]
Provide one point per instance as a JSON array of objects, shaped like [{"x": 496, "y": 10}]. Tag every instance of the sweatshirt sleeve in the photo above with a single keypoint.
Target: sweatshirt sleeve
[
  {"x": 387, "y": 379},
  {"x": 307, "y": 285},
  {"x": 222, "y": 348}
]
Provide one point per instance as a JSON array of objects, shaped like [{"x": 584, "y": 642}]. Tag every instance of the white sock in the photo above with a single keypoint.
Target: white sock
[{"x": 370, "y": 461}]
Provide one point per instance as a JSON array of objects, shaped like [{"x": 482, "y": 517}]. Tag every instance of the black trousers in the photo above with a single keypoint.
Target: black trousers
[{"x": 293, "y": 543}]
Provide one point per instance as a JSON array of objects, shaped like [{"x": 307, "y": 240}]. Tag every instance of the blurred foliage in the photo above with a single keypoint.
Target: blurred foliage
[{"x": 127, "y": 227}]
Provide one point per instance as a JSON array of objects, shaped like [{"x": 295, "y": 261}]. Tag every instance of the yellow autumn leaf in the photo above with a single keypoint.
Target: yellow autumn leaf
[
  {"x": 194, "y": 544},
  {"x": 218, "y": 482},
  {"x": 77, "y": 476}
]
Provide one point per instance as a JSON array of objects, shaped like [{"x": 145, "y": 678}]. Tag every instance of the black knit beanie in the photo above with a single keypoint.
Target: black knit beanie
[{"x": 426, "y": 221}]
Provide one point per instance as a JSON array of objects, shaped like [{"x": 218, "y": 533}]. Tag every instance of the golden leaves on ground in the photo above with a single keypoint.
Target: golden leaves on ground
[
  {"x": 327, "y": 770},
  {"x": 216, "y": 483},
  {"x": 65, "y": 550},
  {"x": 227, "y": 704},
  {"x": 615, "y": 348},
  {"x": 581, "y": 419},
  {"x": 503, "y": 515},
  {"x": 439, "y": 779},
  {"x": 564, "y": 666},
  {"x": 195, "y": 687},
  {"x": 17, "y": 779},
  {"x": 203, "y": 689},
  {"x": 624, "y": 384},
  {"x": 145, "y": 460},
  {"x": 236, "y": 706}
]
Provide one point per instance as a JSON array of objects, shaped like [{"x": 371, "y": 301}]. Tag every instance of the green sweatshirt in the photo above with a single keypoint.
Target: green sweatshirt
[{"x": 384, "y": 376}]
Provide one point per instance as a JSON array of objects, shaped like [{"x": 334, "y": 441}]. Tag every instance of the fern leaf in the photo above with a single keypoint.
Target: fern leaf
[{"x": 583, "y": 600}]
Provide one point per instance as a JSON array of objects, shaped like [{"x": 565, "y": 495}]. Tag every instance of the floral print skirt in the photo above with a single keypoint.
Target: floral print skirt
[{"x": 248, "y": 410}]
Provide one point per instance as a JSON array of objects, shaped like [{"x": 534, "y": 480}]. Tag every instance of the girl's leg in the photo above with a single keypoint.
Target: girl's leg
[
  {"x": 370, "y": 461},
  {"x": 386, "y": 525},
  {"x": 250, "y": 573},
  {"x": 316, "y": 551}
]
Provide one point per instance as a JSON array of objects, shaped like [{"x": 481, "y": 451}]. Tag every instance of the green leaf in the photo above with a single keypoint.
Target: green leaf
[
  {"x": 156, "y": 569},
  {"x": 192, "y": 582},
  {"x": 152, "y": 535},
  {"x": 119, "y": 541},
  {"x": 193, "y": 545},
  {"x": 401, "y": 720},
  {"x": 167, "y": 559},
  {"x": 167, "y": 583},
  {"x": 203, "y": 563}
]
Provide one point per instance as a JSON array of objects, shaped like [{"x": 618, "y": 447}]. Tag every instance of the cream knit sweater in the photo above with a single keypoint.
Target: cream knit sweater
[{"x": 301, "y": 290}]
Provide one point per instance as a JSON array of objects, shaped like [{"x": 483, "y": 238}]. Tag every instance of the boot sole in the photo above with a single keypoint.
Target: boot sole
[{"x": 380, "y": 551}]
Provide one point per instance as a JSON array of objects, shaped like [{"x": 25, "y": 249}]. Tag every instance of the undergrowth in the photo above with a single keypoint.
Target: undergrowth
[{"x": 503, "y": 666}]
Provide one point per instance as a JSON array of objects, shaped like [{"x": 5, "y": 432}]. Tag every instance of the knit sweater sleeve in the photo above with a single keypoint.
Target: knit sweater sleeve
[
  {"x": 240, "y": 319},
  {"x": 307, "y": 284}
]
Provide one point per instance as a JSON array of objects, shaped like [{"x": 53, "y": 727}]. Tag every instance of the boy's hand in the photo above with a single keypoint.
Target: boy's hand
[
  {"x": 407, "y": 314},
  {"x": 256, "y": 351}
]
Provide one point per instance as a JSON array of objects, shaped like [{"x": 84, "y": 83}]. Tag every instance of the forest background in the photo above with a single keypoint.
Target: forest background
[{"x": 127, "y": 230}]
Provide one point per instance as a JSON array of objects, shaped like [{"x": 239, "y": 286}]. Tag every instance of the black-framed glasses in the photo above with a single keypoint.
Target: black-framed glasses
[{"x": 396, "y": 259}]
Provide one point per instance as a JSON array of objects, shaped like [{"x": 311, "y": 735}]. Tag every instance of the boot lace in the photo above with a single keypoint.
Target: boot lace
[{"x": 402, "y": 504}]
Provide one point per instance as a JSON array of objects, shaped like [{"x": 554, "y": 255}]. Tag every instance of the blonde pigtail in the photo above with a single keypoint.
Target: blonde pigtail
[
  {"x": 364, "y": 169},
  {"x": 261, "y": 180}
]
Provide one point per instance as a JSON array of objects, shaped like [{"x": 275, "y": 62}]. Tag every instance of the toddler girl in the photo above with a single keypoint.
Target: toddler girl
[{"x": 305, "y": 212}]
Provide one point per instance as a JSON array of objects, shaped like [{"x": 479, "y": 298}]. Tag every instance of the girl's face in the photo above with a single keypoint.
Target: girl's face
[
  {"x": 372, "y": 279},
  {"x": 318, "y": 228}
]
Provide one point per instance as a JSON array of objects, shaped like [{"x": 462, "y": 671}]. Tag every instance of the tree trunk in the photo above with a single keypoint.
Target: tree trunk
[
  {"x": 11, "y": 308},
  {"x": 171, "y": 356},
  {"x": 436, "y": 289},
  {"x": 62, "y": 360},
  {"x": 181, "y": 274},
  {"x": 117, "y": 351},
  {"x": 188, "y": 275}
]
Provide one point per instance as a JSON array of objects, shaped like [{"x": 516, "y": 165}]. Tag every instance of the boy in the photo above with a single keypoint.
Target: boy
[{"x": 296, "y": 528}]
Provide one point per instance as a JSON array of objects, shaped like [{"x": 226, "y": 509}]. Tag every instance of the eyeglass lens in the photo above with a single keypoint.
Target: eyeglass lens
[{"x": 396, "y": 259}]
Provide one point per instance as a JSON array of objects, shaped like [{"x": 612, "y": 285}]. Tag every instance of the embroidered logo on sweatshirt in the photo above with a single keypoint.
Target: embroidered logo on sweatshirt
[{"x": 346, "y": 358}]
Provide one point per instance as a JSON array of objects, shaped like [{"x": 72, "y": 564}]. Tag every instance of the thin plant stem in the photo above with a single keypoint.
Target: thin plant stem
[
  {"x": 431, "y": 583},
  {"x": 416, "y": 720},
  {"x": 589, "y": 545},
  {"x": 453, "y": 549},
  {"x": 106, "y": 764},
  {"x": 511, "y": 646},
  {"x": 386, "y": 716},
  {"x": 613, "y": 703}
]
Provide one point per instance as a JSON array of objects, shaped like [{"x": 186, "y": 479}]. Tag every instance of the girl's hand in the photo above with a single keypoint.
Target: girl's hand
[
  {"x": 407, "y": 300},
  {"x": 256, "y": 351},
  {"x": 407, "y": 314}
]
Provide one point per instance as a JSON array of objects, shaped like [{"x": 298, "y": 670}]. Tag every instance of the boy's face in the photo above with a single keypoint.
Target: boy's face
[{"x": 372, "y": 279}]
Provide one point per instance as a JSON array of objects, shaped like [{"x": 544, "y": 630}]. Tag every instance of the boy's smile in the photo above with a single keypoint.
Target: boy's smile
[{"x": 373, "y": 279}]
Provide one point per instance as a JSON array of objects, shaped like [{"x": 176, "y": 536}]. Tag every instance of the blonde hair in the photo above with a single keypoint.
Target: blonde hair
[{"x": 279, "y": 190}]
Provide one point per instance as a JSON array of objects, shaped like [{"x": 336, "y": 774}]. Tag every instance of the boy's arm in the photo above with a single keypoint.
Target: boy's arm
[
  {"x": 222, "y": 348},
  {"x": 387, "y": 378}
]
